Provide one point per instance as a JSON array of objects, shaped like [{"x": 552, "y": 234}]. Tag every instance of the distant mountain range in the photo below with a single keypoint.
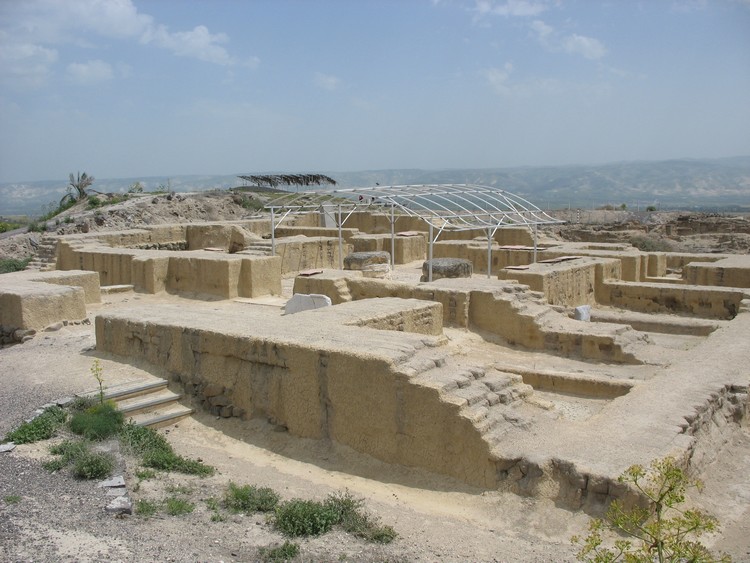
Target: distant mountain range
[{"x": 671, "y": 184}]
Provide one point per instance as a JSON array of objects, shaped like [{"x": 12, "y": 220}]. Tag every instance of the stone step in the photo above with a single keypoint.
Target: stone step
[
  {"x": 146, "y": 402},
  {"x": 497, "y": 380},
  {"x": 474, "y": 394},
  {"x": 129, "y": 389},
  {"x": 163, "y": 416},
  {"x": 122, "y": 288}
]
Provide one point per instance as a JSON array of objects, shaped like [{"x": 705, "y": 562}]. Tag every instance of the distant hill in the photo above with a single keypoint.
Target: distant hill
[{"x": 686, "y": 183}]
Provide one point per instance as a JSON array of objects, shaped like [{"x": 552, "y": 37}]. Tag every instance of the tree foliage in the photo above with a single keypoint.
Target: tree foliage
[
  {"x": 77, "y": 186},
  {"x": 658, "y": 531}
]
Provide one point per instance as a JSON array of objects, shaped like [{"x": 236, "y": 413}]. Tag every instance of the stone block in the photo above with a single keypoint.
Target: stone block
[
  {"x": 305, "y": 302},
  {"x": 364, "y": 260},
  {"x": 582, "y": 313},
  {"x": 446, "y": 268}
]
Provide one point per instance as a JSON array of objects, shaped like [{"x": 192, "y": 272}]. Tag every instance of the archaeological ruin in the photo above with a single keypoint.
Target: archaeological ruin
[{"x": 459, "y": 338}]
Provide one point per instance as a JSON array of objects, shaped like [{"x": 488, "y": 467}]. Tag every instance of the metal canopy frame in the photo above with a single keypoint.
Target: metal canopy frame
[{"x": 444, "y": 207}]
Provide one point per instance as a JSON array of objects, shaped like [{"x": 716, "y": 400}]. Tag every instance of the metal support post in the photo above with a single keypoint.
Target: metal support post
[
  {"x": 273, "y": 232},
  {"x": 429, "y": 257},
  {"x": 341, "y": 244}
]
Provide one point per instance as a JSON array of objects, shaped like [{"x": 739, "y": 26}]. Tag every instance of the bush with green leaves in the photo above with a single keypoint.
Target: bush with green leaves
[
  {"x": 249, "y": 498},
  {"x": 657, "y": 531},
  {"x": 42, "y": 427},
  {"x": 156, "y": 452},
  {"x": 93, "y": 465},
  {"x": 9, "y": 265},
  {"x": 98, "y": 422},
  {"x": 284, "y": 552},
  {"x": 299, "y": 517},
  {"x": 350, "y": 513}
]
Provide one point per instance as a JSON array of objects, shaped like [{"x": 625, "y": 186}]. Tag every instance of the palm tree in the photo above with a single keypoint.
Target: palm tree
[{"x": 77, "y": 187}]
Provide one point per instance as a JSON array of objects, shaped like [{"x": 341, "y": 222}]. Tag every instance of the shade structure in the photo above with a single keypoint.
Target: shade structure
[{"x": 444, "y": 207}]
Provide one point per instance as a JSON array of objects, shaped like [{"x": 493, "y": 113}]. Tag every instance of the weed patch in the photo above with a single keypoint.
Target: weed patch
[
  {"x": 98, "y": 422},
  {"x": 250, "y": 499},
  {"x": 92, "y": 465},
  {"x": 43, "y": 427},
  {"x": 298, "y": 517},
  {"x": 156, "y": 453},
  {"x": 176, "y": 506},
  {"x": 13, "y": 265},
  {"x": 284, "y": 552},
  {"x": 146, "y": 508},
  {"x": 355, "y": 520},
  {"x": 12, "y": 499}
]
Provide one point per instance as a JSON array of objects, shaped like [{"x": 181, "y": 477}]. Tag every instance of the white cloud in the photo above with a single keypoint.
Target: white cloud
[
  {"x": 90, "y": 72},
  {"x": 25, "y": 64},
  {"x": 523, "y": 8},
  {"x": 586, "y": 46},
  {"x": 574, "y": 44},
  {"x": 326, "y": 81},
  {"x": 498, "y": 78},
  {"x": 30, "y": 30},
  {"x": 199, "y": 43}
]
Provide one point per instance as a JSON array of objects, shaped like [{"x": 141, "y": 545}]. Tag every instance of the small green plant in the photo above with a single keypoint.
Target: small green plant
[
  {"x": 212, "y": 503},
  {"x": 284, "y": 552},
  {"x": 179, "y": 489},
  {"x": 13, "y": 265},
  {"x": 144, "y": 474},
  {"x": 5, "y": 227},
  {"x": 355, "y": 520},
  {"x": 12, "y": 499},
  {"x": 98, "y": 422},
  {"x": 42, "y": 427},
  {"x": 176, "y": 506},
  {"x": 250, "y": 499},
  {"x": 651, "y": 208},
  {"x": 93, "y": 465},
  {"x": 649, "y": 244},
  {"x": 156, "y": 453},
  {"x": 82, "y": 403},
  {"x": 299, "y": 517},
  {"x": 94, "y": 202},
  {"x": 55, "y": 464},
  {"x": 96, "y": 371},
  {"x": 658, "y": 531},
  {"x": 145, "y": 508},
  {"x": 135, "y": 188}
]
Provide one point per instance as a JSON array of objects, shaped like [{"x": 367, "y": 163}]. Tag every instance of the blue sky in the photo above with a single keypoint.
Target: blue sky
[{"x": 128, "y": 88}]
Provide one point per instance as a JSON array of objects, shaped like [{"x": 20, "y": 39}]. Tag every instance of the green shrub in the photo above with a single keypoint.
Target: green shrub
[
  {"x": 42, "y": 427},
  {"x": 658, "y": 531},
  {"x": 94, "y": 202},
  {"x": 156, "y": 453},
  {"x": 13, "y": 265},
  {"x": 649, "y": 244},
  {"x": 284, "y": 552},
  {"x": 354, "y": 520},
  {"x": 145, "y": 508},
  {"x": 98, "y": 422},
  {"x": 250, "y": 499},
  {"x": 5, "y": 227},
  {"x": 12, "y": 499},
  {"x": 56, "y": 464},
  {"x": 93, "y": 465},
  {"x": 304, "y": 518},
  {"x": 69, "y": 449},
  {"x": 83, "y": 403},
  {"x": 177, "y": 506},
  {"x": 144, "y": 474},
  {"x": 37, "y": 227}
]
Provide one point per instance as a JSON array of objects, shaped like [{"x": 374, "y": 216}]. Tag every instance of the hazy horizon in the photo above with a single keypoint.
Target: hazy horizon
[{"x": 129, "y": 88}]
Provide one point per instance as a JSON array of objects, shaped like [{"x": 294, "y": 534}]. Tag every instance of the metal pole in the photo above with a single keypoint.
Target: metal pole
[
  {"x": 393, "y": 238},
  {"x": 341, "y": 246},
  {"x": 273, "y": 233},
  {"x": 535, "y": 238},
  {"x": 489, "y": 254},
  {"x": 429, "y": 257}
]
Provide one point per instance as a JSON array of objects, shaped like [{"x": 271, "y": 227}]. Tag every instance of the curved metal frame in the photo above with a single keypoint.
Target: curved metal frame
[{"x": 445, "y": 207}]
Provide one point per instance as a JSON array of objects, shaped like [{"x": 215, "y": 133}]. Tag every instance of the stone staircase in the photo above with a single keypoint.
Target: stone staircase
[
  {"x": 489, "y": 398},
  {"x": 259, "y": 247},
  {"x": 146, "y": 403},
  {"x": 45, "y": 258}
]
